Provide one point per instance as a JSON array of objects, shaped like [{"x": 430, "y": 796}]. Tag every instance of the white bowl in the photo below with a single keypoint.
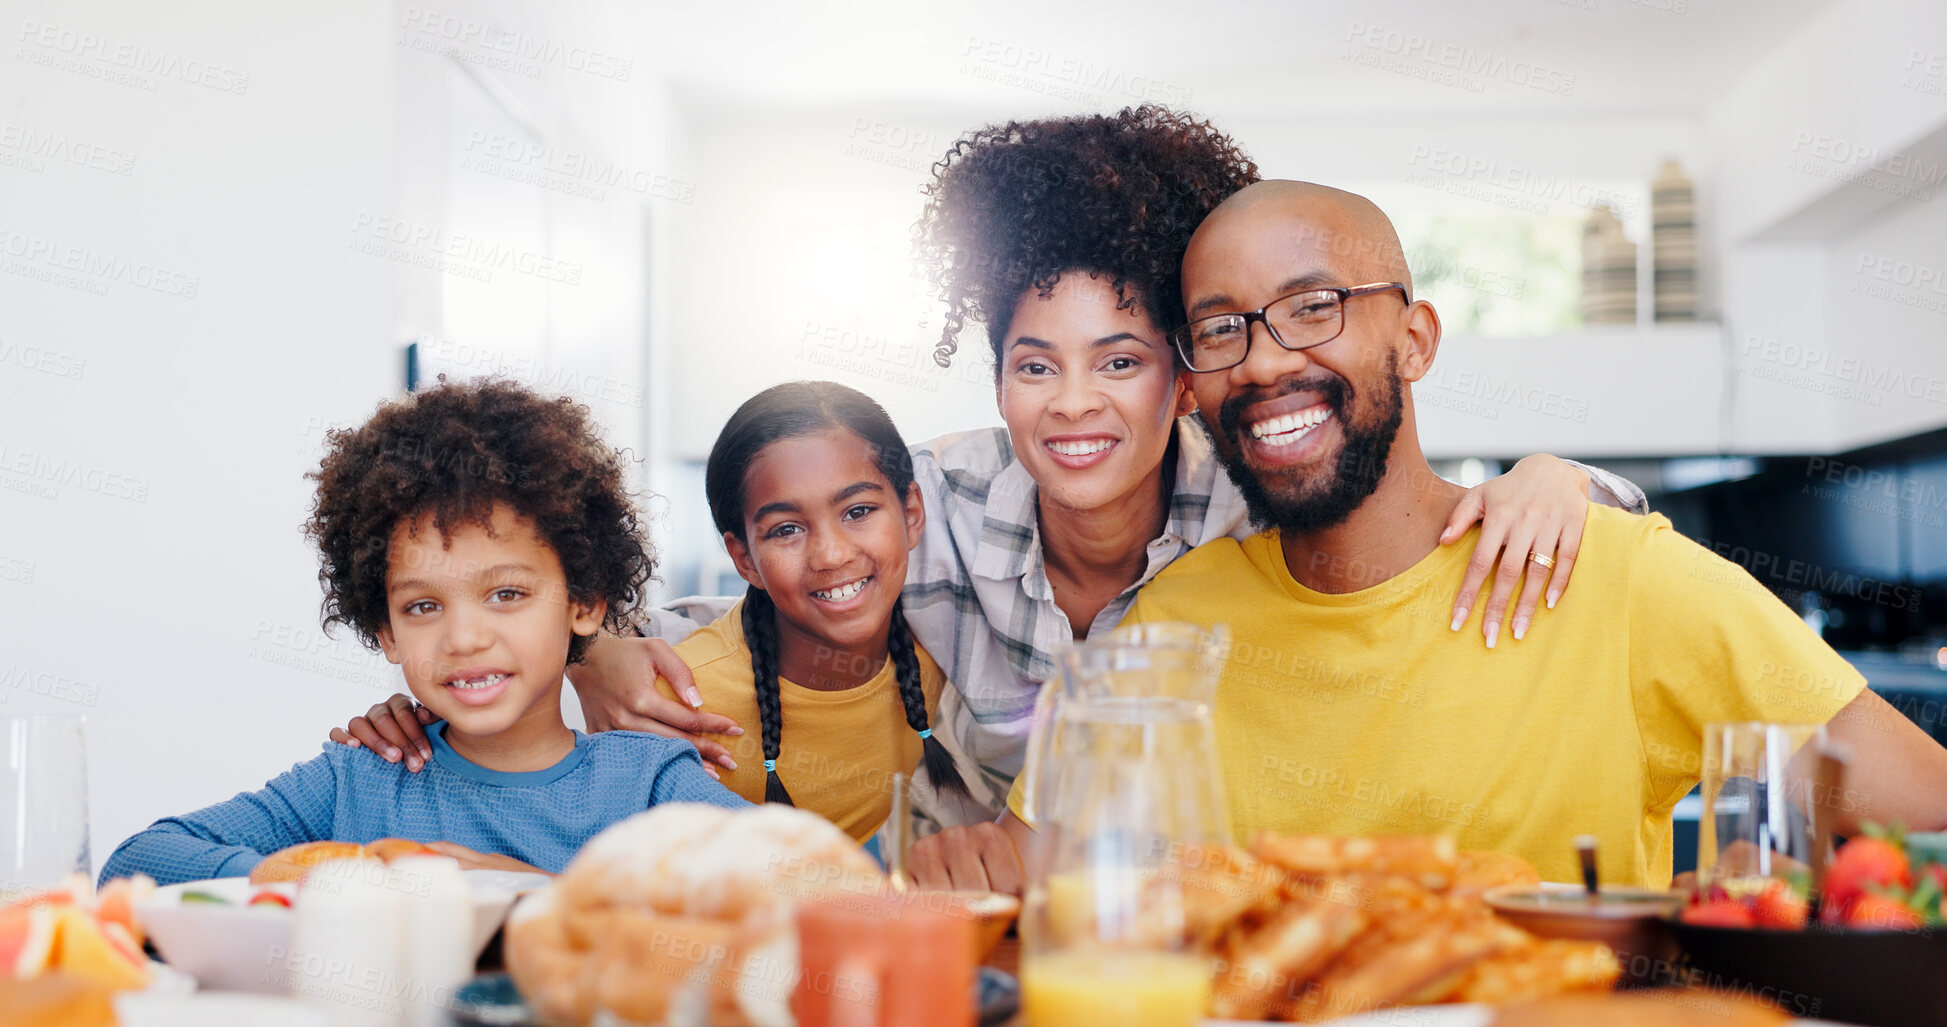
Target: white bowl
[{"x": 237, "y": 947}]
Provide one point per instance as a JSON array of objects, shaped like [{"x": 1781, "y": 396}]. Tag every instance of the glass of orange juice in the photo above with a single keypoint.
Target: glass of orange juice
[{"x": 1126, "y": 784}]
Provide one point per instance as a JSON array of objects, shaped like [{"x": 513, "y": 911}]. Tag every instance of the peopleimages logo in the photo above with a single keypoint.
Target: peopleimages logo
[
  {"x": 1900, "y": 281},
  {"x": 43, "y": 360},
  {"x": 1811, "y": 577},
  {"x": 1423, "y": 57},
  {"x": 1061, "y": 75},
  {"x": 30, "y": 148},
  {"x": 469, "y": 256},
  {"x": 1499, "y": 392},
  {"x": 1925, "y": 72},
  {"x": 1899, "y": 174},
  {"x": 435, "y": 27},
  {"x": 1519, "y": 181},
  {"x": 37, "y": 473},
  {"x": 584, "y": 174},
  {"x": 1840, "y": 375},
  {"x": 128, "y": 63},
  {"x": 88, "y": 269},
  {"x": 17, "y": 570}
]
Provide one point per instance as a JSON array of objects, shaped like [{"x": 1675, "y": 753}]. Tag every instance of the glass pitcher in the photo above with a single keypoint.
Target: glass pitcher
[{"x": 1124, "y": 790}]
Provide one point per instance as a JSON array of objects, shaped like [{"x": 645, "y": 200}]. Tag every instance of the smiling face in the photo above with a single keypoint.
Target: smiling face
[
  {"x": 1305, "y": 435},
  {"x": 1089, "y": 393},
  {"x": 826, "y": 536},
  {"x": 480, "y": 622}
]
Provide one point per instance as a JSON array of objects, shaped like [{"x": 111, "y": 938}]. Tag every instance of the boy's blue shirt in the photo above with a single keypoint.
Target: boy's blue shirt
[{"x": 540, "y": 817}]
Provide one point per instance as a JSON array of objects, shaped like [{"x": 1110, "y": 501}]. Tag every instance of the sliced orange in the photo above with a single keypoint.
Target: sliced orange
[
  {"x": 116, "y": 904},
  {"x": 83, "y": 947},
  {"x": 26, "y": 940}
]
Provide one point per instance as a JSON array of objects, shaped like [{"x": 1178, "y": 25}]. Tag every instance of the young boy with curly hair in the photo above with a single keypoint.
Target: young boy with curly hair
[{"x": 480, "y": 535}]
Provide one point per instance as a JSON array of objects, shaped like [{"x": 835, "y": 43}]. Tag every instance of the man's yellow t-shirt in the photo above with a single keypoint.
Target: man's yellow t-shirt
[
  {"x": 837, "y": 751},
  {"x": 1363, "y": 714}
]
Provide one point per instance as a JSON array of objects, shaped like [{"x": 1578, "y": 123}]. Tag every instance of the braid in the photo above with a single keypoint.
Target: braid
[
  {"x": 905, "y": 664},
  {"x": 760, "y": 634}
]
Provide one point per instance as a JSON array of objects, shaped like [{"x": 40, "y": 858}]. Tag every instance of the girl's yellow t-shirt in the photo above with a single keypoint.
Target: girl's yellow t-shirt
[{"x": 838, "y": 750}]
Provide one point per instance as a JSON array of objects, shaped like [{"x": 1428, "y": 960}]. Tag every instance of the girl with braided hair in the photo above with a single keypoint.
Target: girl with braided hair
[{"x": 812, "y": 489}]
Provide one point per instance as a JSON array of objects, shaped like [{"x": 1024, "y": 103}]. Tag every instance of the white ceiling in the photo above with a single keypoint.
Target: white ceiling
[{"x": 1238, "y": 58}]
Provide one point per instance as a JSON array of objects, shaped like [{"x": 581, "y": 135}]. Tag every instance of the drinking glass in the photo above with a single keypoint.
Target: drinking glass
[
  {"x": 44, "y": 814},
  {"x": 1759, "y": 797},
  {"x": 1126, "y": 793}
]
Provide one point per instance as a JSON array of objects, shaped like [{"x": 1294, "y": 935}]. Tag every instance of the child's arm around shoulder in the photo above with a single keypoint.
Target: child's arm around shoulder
[{"x": 233, "y": 836}]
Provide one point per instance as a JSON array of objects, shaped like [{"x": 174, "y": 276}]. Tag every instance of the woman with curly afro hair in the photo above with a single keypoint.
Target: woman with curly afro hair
[{"x": 1062, "y": 237}]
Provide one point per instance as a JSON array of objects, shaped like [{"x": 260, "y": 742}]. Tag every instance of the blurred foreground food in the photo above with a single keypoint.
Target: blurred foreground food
[{"x": 65, "y": 952}]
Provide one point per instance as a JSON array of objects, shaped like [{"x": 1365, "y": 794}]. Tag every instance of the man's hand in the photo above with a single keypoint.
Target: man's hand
[
  {"x": 393, "y": 728},
  {"x": 980, "y": 857},
  {"x": 1539, "y": 506},
  {"x": 616, "y": 683},
  {"x": 471, "y": 860}
]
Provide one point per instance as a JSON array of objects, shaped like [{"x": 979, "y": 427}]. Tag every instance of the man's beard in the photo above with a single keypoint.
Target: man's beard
[{"x": 1311, "y": 505}]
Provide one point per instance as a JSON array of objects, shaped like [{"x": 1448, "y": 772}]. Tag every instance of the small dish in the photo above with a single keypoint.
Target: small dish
[
  {"x": 230, "y": 946},
  {"x": 993, "y": 913},
  {"x": 1631, "y": 921}
]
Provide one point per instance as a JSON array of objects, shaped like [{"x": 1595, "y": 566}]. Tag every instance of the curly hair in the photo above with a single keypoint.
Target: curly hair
[
  {"x": 1018, "y": 204},
  {"x": 454, "y": 451}
]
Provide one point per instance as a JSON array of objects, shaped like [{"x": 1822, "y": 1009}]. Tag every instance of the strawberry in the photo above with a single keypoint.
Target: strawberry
[
  {"x": 1777, "y": 906},
  {"x": 1864, "y": 863},
  {"x": 1719, "y": 914},
  {"x": 1880, "y": 911}
]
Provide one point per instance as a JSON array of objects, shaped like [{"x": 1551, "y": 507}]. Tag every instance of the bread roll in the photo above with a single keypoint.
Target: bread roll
[
  {"x": 293, "y": 863},
  {"x": 386, "y": 850},
  {"x": 681, "y": 915},
  {"x": 696, "y": 860},
  {"x": 546, "y": 966}
]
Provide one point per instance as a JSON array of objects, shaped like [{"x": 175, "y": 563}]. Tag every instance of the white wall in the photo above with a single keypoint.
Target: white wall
[
  {"x": 1888, "y": 311},
  {"x": 1828, "y": 162},
  {"x": 177, "y": 612},
  {"x": 153, "y": 444},
  {"x": 796, "y": 264},
  {"x": 1392, "y": 149}
]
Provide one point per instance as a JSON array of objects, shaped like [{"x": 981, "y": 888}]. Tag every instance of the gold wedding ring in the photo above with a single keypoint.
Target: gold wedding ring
[{"x": 1545, "y": 561}]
